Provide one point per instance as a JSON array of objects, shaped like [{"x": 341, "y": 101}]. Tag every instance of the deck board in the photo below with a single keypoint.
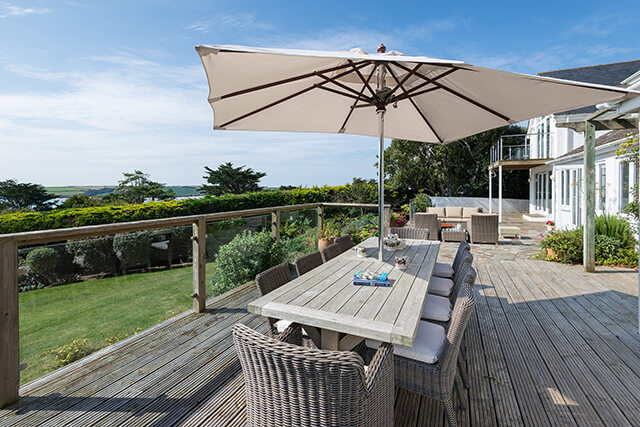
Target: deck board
[{"x": 547, "y": 345}]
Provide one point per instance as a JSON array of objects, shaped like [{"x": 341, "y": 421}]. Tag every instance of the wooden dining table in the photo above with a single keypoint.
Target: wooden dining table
[{"x": 338, "y": 315}]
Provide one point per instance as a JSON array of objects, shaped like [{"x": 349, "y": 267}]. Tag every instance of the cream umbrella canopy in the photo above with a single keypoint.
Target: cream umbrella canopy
[{"x": 385, "y": 94}]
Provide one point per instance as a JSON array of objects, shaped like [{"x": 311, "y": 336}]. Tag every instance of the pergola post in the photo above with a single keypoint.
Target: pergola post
[
  {"x": 589, "y": 254},
  {"x": 490, "y": 192},
  {"x": 500, "y": 193}
]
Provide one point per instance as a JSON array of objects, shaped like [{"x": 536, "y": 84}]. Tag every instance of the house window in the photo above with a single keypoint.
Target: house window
[
  {"x": 624, "y": 185},
  {"x": 602, "y": 187},
  {"x": 566, "y": 188},
  {"x": 547, "y": 128},
  {"x": 576, "y": 197}
]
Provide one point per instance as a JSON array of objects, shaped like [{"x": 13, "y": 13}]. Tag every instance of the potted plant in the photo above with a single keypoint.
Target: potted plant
[
  {"x": 551, "y": 225},
  {"x": 326, "y": 236}
]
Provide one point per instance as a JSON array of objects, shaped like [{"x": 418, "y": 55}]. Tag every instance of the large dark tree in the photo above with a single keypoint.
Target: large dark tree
[
  {"x": 136, "y": 187},
  {"x": 230, "y": 179},
  {"x": 456, "y": 169},
  {"x": 24, "y": 195}
]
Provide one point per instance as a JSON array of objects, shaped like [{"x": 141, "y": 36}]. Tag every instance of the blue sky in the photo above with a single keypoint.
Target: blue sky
[{"x": 91, "y": 89}]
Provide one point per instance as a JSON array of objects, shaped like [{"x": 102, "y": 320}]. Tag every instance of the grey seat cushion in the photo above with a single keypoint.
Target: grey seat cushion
[
  {"x": 443, "y": 269},
  {"x": 436, "y": 308},
  {"x": 440, "y": 286}
]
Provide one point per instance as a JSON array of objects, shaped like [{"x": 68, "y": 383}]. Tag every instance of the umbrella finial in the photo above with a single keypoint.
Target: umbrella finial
[{"x": 382, "y": 48}]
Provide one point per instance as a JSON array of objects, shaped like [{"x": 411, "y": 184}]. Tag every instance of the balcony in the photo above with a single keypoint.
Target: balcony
[{"x": 521, "y": 151}]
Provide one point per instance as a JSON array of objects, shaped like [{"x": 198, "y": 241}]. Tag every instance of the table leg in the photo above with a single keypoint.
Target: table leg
[{"x": 330, "y": 339}]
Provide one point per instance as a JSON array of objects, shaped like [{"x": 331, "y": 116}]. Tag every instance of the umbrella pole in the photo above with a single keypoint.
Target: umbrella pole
[{"x": 381, "y": 218}]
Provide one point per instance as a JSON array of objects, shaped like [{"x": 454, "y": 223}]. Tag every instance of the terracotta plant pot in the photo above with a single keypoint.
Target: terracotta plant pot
[
  {"x": 323, "y": 243},
  {"x": 551, "y": 254}
]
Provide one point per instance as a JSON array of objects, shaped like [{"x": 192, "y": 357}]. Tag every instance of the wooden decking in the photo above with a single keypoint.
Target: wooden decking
[{"x": 547, "y": 345}]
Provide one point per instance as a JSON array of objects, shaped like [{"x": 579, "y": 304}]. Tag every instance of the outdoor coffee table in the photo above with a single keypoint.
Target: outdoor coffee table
[
  {"x": 338, "y": 315},
  {"x": 509, "y": 230},
  {"x": 451, "y": 235}
]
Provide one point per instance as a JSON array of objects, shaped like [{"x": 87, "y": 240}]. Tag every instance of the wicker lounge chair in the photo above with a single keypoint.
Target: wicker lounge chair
[
  {"x": 428, "y": 221},
  {"x": 410, "y": 233},
  {"x": 344, "y": 243},
  {"x": 289, "y": 385},
  {"x": 442, "y": 269},
  {"x": 330, "y": 252},
  {"x": 436, "y": 380},
  {"x": 307, "y": 263},
  {"x": 268, "y": 281},
  {"x": 483, "y": 228}
]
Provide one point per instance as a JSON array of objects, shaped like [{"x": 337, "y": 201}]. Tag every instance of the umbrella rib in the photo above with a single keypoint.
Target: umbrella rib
[
  {"x": 284, "y": 81},
  {"x": 338, "y": 92},
  {"x": 399, "y": 84},
  {"x": 410, "y": 92},
  {"x": 345, "y": 87},
  {"x": 460, "y": 95},
  {"x": 414, "y": 104},
  {"x": 355, "y": 104},
  {"x": 286, "y": 98},
  {"x": 362, "y": 79}
]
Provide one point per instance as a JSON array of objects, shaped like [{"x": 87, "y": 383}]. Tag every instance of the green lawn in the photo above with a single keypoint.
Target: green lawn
[{"x": 97, "y": 310}]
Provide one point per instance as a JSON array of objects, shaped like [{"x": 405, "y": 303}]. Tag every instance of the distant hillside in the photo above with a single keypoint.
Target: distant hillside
[{"x": 93, "y": 191}]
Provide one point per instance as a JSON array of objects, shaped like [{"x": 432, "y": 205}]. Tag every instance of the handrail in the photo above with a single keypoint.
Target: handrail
[
  {"x": 9, "y": 243},
  {"x": 45, "y": 236}
]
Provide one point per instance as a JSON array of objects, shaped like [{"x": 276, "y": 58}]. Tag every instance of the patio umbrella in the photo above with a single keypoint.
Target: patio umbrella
[{"x": 386, "y": 94}]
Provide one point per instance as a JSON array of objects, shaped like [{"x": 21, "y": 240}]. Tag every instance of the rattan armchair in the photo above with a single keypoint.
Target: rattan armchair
[
  {"x": 307, "y": 263},
  {"x": 330, "y": 252},
  {"x": 344, "y": 243},
  {"x": 290, "y": 385},
  {"x": 428, "y": 221},
  {"x": 483, "y": 228},
  {"x": 410, "y": 233},
  {"x": 270, "y": 280},
  {"x": 437, "y": 380}
]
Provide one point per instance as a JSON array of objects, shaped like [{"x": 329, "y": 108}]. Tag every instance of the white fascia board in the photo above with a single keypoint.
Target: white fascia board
[{"x": 613, "y": 145}]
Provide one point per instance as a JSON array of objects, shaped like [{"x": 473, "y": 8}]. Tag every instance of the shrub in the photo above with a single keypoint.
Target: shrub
[
  {"x": 625, "y": 256},
  {"x": 70, "y": 353},
  {"x": 607, "y": 248},
  {"x": 93, "y": 255},
  {"x": 299, "y": 245},
  {"x": 397, "y": 220},
  {"x": 422, "y": 202},
  {"x": 62, "y": 218},
  {"x": 405, "y": 210},
  {"x": 616, "y": 227},
  {"x": 241, "y": 259},
  {"x": 44, "y": 261},
  {"x": 133, "y": 249},
  {"x": 566, "y": 244}
]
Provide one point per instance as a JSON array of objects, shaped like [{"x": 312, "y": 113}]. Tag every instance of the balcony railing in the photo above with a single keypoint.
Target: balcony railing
[
  {"x": 10, "y": 243},
  {"x": 519, "y": 147}
]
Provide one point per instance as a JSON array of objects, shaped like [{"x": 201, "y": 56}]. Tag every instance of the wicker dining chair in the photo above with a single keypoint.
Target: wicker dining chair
[
  {"x": 428, "y": 221},
  {"x": 443, "y": 286},
  {"x": 290, "y": 385},
  {"x": 344, "y": 243},
  {"x": 330, "y": 252},
  {"x": 442, "y": 269},
  {"x": 270, "y": 280},
  {"x": 437, "y": 380},
  {"x": 410, "y": 233},
  {"x": 308, "y": 262}
]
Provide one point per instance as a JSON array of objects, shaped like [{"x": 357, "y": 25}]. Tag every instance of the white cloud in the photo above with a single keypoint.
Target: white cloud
[
  {"x": 7, "y": 10},
  {"x": 237, "y": 21}
]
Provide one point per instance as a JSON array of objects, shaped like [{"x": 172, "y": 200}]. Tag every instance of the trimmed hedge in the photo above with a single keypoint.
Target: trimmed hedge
[{"x": 65, "y": 218}]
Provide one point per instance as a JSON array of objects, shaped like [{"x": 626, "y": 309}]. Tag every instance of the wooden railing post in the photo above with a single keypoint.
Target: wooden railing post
[
  {"x": 9, "y": 336},
  {"x": 320, "y": 210},
  {"x": 199, "y": 265},
  {"x": 275, "y": 224}
]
